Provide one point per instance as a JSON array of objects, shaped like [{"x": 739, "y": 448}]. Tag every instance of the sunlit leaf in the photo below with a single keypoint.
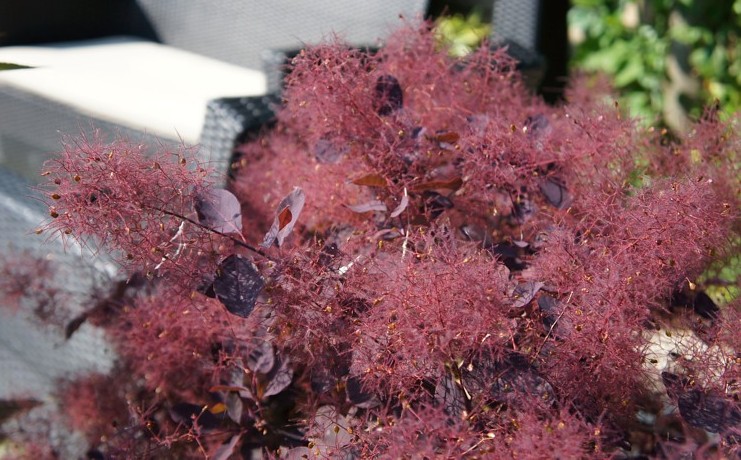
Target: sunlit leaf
[
  {"x": 524, "y": 293},
  {"x": 371, "y": 180},
  {"x": 226, "y": 388},
  {"x": 219, "y": 210},
  {"x": 402, "y": 205},
  {"x": 373, "y": 205},
  {"x": 447, "y": 137},
  {"x": 285, "y": 219},
  {"x": 238, "y": 284},
  {"x": 449, "y": 184}
]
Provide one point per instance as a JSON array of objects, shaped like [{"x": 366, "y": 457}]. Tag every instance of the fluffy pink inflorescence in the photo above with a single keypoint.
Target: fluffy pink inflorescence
[
  {"x": 132, "y": 202},
  {"x": 473, "y": 272}
]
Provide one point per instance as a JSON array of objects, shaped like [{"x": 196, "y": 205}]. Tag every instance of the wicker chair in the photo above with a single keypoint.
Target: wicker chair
[{"x": 230, "y": 32}]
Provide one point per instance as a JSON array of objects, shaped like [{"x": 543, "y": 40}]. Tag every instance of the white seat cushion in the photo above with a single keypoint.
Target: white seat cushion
[{"x": 129, "y": 81}]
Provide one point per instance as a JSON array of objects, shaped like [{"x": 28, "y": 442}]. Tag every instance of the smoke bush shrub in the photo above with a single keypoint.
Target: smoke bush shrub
[{"x": 473, "y": 273}]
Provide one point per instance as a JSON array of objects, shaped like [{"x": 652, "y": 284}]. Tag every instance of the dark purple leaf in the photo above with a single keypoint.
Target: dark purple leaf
[
  {"x": 234, "y": 406},
  {"x": 700, "y": 302},
  {"x": 450, "y": 396},
  {"x": 225, "y": 451},
  {"x": 389, "y": 96},
  {"x": 555, "y": 193},
  {"x": 553, "y": 321},
  {"x": 508, "y": 381},
  {"x": 510, "y": 255},
  {"x": 524, "y": 293},
  {"x": 515, "y": 383},
  {"x": 261, "y": 358},
  {"x": 701, "y": 409},
  {"x": 278, "y": 379},
  {"x": 219, "y": 210},
  {"x": 357, "y": 395},
  {"x": 237, "y": 285},
  {"x": 704, "y": 306},
  {"x": 708, "y": 411}
]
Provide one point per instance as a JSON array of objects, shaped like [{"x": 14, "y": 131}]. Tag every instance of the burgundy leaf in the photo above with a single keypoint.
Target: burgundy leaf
[
  {"x": 278, "y": 379},
  {"x": 237, "y": 285},
  {"x": 524, "y": 293},
  {"x": 371, "y": 180},
  {"x": 219, "y": 210},
  {"x": 708, "y": 411},
  {"x": 234, "y": 406},
  {"x": 358, "y": 396},
  {"x": 553, "y": 319},
  {"x": 261, "y": 358},
  {"x": 225, "y": 451},
  {"x": 286, "y": 216},
  {"x": 555, "y": 193},
  {"x": 373, "y": 205}
]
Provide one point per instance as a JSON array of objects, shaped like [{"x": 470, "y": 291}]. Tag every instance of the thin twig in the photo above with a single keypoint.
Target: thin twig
[
  {"x": 209, "y": 229},
  {"x": 550, "y": 330}
]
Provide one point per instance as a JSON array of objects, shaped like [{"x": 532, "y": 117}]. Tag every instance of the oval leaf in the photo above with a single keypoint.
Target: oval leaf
[
  {"x": 524, "y": 293},
  {"x": 373, "y": 205},
  {"x": 555, "y": 193},
  {"x": 219, "y": 210},
  {"x": 286, "y": 216},
  {"x": 261, "y": 358},
  {"x": 449, "y": 184},
  {"x": 371, "y": 180},
  {"x": 278, "y": 379},
  {"x": 225, "y": 451},
  {"x": 237, "y": 285}
]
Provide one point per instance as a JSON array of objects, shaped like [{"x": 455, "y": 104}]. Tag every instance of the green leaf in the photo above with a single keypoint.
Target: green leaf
[{"x": 10, "y": 66}]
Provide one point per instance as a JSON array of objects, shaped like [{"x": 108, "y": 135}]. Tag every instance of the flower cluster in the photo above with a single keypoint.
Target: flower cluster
[{"x": 449, "y": 267}]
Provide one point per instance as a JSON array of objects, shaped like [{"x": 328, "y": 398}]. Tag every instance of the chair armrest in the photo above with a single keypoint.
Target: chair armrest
[{"x": 229, "y": 122}]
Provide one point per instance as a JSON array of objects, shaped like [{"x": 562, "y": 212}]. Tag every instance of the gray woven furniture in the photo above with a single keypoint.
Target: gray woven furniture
[{"x": 230, "y": 31}]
